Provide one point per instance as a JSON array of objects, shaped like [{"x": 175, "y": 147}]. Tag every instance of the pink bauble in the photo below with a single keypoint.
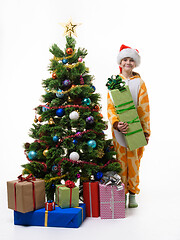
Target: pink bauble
[{"x": 80, "y": 59}]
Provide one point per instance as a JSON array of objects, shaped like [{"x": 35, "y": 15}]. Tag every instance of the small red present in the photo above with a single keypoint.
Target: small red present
[
  {"x": 91, "y": 198},
  {"x": 50, "y": 205}
]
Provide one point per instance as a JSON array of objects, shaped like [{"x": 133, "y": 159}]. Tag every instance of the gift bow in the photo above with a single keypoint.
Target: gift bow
[
  {"x": 29, "y": 178},
  {"x": 115, "y": 83},
  {"x": 112, "y": 178},
  {"x": 70, "y": 184}
]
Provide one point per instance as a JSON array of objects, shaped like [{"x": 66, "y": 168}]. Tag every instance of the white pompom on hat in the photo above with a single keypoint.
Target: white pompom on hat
[{"x": 126, "y": 51}]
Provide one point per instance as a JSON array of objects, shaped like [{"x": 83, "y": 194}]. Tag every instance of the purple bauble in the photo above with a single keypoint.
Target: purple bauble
[
  {"x": 90, "y": 119},
  {"x": 67, "y": 82}
]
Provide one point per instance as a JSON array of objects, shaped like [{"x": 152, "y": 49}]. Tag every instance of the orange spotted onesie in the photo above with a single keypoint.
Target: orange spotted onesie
[{"x": 130, "y": 160}]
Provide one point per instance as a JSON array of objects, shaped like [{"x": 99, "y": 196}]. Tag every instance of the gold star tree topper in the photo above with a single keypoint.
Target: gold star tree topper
[{"x": 70, "y": 28}]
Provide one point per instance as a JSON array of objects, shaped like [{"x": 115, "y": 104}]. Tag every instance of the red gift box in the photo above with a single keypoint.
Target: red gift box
[
  {"x": 50, "y": 206},
  {"x": 91, "y": 198}
]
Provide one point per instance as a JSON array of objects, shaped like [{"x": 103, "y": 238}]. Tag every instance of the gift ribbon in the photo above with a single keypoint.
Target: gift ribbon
[
  {"x": 112, "y": 178},
  {"x": 90, "y": 203},
  {"x": 29, "y": 178},
  {"x": 125, "y": 109},
  {"x": 112, "y": 202},
  {"x": 46, "y": 218},
  {"x": 123, "y": 104}
]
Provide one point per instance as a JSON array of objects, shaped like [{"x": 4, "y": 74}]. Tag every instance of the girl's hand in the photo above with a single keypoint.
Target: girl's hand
[
  {"x": 147, "y": 137},
  {"x": 122, "y": 127}
]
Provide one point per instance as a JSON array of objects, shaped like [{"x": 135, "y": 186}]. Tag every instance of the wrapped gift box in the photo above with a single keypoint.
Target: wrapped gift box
[
  {"x": 50, "y": 206},
  {"x": 91, "y": 198},
  {"x": 67, "y": 197},
  {"x": 25, "y": 196},
  {"x": 67, "y": 217},
  {"x": 127, "y": 113},
  {"x": 112, "y": 202}
]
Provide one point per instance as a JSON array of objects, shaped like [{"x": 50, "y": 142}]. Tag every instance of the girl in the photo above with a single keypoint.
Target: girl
[{"x": 128, "y": 59}]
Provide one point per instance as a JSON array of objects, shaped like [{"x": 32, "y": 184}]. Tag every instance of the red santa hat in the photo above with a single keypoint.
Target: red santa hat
[{"x": 125, "y": 52}]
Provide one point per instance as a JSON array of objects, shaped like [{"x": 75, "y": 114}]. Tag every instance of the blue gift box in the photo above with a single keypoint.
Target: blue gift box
[{"x": 66, "y": 217}]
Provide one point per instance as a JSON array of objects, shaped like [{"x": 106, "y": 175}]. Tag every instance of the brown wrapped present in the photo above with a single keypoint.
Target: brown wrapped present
[{"x": 26, "y": 194}]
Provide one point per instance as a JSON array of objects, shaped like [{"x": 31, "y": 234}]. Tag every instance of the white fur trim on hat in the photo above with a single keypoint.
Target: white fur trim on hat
[{"x": 129, "y": 52}]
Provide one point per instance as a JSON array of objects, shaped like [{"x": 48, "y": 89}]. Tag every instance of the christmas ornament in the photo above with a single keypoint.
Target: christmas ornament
[
  {"x": 51, "y": 121},
  {"x": 91, "y": 143},
  {"x": 74, "y": 115},
  {"x": 55, "y": 138},
  {"x": 70, "y": 28},
  {"x": 81, "y": 80},
  {"x": 54, "y": 168},
  {"x": 45, "y": 152},
  {"x": 27, "y": 145},
  {"x": 96, "y": 108},
  {"x": 54, "y": 76},
  {"x": 80, "y": 59},
  {"x": 69, "y": 51},
  {"x": 75, "y": 141},
  {"x": 40, "y": 119},
  {"x": 66, "y": 83},
  {"x": 93, "y": 88},
  {"x": 59, "y": 93},
  {"x": 44, "y": 109},
  {"x": 100, "y": 153},
  {"x": 64, "y": 61},
  {"x": 90, "y": 119},
  {"x": 98, "y": 176},
  {"x": 35, "y": 120},
  {"x": 32, "y": 155},
  {"x": 70, "y": 99},
  {"x": 60, "y": 112},
  {"x": 86, "y": 101},
  {"x": 74, "y": 156},
  {"x": 78, "y": 175}
]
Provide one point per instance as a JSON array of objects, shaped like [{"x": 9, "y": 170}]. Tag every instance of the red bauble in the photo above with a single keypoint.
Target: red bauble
[
  {"x": 54, "y": 76},
  {"x": 69, "y": 51},
  {"x": 96, "y": 108}
]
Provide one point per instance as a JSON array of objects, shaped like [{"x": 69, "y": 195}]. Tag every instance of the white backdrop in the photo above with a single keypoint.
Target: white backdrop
[{"x": 29, "y": 28}]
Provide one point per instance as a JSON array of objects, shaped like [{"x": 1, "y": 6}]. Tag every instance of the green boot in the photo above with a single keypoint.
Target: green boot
[{"x": 132, "y": 201}]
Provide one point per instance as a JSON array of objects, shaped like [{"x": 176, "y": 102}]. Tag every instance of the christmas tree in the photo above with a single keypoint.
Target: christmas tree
[{"x": 69, "y": 142}]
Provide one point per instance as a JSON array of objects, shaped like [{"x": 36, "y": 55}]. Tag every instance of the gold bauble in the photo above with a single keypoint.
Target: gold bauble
[
  {"x": 100, "y": 153},
  {"x": 45, "y": 152},
  {"x": 70, "y": 99},
  {"x": 51, "y": 121},
  {"x": 35, "y": 120}
]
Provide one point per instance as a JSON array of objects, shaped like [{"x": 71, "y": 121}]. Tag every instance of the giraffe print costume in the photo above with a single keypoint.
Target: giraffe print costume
[{"x": 130, "y": 160}]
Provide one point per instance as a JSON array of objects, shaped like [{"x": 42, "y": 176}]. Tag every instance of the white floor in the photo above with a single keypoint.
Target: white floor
[{"x": 157, "y": 217}]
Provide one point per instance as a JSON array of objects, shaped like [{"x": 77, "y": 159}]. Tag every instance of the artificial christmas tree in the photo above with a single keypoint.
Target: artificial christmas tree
[{"x": 69, "y": 142}]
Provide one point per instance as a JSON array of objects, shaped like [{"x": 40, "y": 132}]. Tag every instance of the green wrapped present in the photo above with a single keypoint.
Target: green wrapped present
[
  {"x": 127, "y": 112},
  {"x": 67, "y": 195}
]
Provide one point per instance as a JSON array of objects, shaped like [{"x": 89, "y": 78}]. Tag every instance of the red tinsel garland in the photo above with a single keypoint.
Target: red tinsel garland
[
  {"x": 77, "y": 135},
  {"x": 80, "y": 162}
]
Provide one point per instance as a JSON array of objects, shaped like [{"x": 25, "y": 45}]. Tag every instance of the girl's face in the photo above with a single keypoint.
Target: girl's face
[{"x": 127, "y": 64}]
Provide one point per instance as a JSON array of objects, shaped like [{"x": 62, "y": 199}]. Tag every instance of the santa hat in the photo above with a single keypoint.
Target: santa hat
[{"x": 126, "y": 51}]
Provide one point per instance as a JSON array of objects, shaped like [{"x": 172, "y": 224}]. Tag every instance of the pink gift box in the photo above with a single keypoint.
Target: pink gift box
[{"x": 112, "y": 202}]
